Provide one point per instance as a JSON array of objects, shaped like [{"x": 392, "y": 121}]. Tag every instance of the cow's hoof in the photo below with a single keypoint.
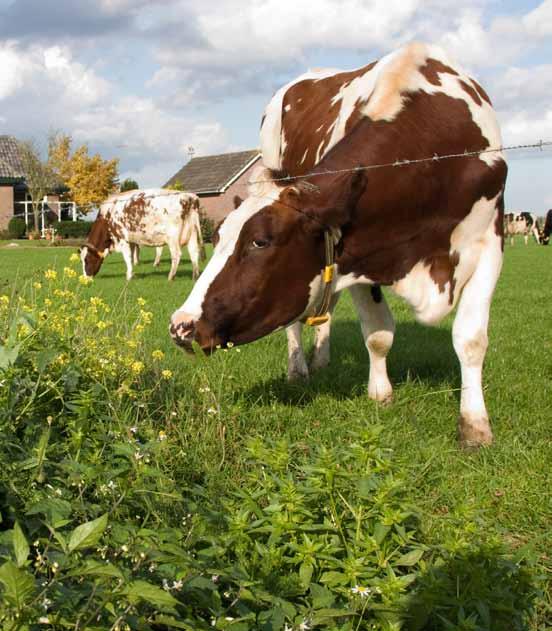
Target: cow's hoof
[
  {"x": 382, "y": 394},
  {"x": 318, "y": 363},
  {"x": 473, "y": 433}
]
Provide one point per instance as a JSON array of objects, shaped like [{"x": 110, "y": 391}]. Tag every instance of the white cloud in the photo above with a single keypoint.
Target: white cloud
[{"x": 539, "y": 21}]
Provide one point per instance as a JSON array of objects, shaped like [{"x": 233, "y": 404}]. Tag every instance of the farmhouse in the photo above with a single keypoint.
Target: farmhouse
[
  {"x": 216, "y": 180},
  {"x": 12, "y": 180},
  {"x": 14, "y": 198}
]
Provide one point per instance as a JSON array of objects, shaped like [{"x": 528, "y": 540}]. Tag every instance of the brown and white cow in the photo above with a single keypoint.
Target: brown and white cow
[
  {"x": 521, "y": 223},
  {"x": 431, "y": 231},
  {"x": 152, "y": 217}
]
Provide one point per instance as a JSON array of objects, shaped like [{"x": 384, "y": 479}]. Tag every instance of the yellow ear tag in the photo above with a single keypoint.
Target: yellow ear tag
[
  {"x": 317, "y": 320},
  {"x": 328, "y": 273}
]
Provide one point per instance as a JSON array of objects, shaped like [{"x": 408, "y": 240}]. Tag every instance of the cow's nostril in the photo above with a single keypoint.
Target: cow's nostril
[{"x": 182, "y": 330}]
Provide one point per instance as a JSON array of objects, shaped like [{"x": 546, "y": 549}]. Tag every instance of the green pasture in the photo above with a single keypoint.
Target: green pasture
[{"x": 508, "y": 486}]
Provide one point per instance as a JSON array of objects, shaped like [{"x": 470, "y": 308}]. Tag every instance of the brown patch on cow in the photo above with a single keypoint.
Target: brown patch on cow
[
  {"x": 306, "y": 126},
  {"x": 419, "y": 196},
  {"x": 237, "y": 201},
  {"x": 481, "y": 92},
  {"x": 471, "y": 91},
  {"x": 134, "y": 212},
  {"x": 432, "y": 69},
  {"x": 186, "y": 203},
  {"x": 441, "y": 270}
]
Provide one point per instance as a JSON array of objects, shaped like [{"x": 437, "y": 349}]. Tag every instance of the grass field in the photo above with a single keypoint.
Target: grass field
[{"x": 507, "y": 485}]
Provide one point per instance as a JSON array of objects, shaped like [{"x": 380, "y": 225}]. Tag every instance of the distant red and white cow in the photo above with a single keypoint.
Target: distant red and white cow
[
  {"x": 432, "y": 231},
  {"x": 521, "y": 223},
  {"x": 152, "y": 217}
]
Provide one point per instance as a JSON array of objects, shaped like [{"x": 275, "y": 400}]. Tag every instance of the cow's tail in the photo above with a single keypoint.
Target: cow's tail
[{"x": 197, "y": 226}]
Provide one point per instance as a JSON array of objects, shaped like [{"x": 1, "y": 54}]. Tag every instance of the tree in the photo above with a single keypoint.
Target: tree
[
  {"x": 128, "y": 185},
  {"x": 39, "y": 177},
  {"x": 177, "y": 186},
  {"x": 90, "y": 179}
]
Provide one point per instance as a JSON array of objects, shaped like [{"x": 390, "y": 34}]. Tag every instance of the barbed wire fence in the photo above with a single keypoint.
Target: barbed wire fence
[{"x": 405, "y": 162}]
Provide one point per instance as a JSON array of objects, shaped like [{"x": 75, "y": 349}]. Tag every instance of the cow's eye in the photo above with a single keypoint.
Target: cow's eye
[{"x": 260, "y": 244}]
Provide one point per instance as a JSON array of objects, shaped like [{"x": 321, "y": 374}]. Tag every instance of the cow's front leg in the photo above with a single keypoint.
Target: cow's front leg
[
  {"x": 321, "y": 353},
  {"x": 126, "y": 251},
  {"x": 297, "y": 364},
  {"x": 158, "y": 254},
  {"x": 378, "y": 329}
]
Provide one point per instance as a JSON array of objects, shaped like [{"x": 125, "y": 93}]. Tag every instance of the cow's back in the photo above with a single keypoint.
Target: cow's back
[
  {"x": 310, "y": 115},
  {"x": 149, "y": 216}
]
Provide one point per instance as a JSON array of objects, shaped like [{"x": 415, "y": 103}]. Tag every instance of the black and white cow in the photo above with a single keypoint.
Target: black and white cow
[
  {"x": 521, "y": 223},
  {"x": 544, "y": 234}
]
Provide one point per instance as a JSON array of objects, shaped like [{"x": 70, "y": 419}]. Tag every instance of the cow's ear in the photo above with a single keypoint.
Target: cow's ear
[
  {"x": 237, "y": 201},
  {"x": 292, "y": 196},
  {"x": 338, "y": 198}
]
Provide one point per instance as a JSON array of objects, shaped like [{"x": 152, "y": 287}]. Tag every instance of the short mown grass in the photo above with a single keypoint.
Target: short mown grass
[{"x": 507, "y": 486}]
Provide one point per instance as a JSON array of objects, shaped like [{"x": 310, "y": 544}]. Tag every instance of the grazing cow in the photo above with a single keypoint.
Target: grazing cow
[
  {"x": 544, "y": 234},
  {"x": 431, "y": 230},
  {"x": 521, "y": 223},
  {"x": 151, "y": 217}
]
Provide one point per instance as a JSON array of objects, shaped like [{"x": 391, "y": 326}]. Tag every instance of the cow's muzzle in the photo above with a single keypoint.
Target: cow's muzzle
[{"x": 182, "y": 330}]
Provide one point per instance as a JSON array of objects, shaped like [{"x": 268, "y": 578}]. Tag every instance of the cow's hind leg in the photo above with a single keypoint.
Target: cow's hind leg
[
  {"x": 469, "y": 334},
  {"x": 158, "y": 254},
  {"x": 176, "y": 253},
  {"x": 194, "y": 250},
  {"x": 378, "y": 329},
  {"x": 135, "y": 252}
]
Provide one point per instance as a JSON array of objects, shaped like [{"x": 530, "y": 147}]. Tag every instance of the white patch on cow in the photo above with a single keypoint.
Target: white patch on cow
[
  {"x": 430, "y": 305},
  {"x": 287, "y": 107},
  {"x": 229, "y": 233},
  {"x": 319, "y": 128},
  {"x": 304, "y": 156},
  {"x": 344, "y": 281}
]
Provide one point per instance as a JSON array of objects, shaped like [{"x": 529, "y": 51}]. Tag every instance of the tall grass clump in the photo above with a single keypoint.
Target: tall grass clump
[{"x": 105, "y": 523}]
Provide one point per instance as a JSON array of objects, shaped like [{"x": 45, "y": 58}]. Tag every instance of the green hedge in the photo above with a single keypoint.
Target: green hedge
[
  {"x": 72, "y": 229},
  {"x": 16, "y": 228}
]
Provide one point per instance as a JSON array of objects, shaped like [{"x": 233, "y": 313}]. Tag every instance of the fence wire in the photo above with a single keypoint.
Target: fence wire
[{"x": 406, "y": 162}]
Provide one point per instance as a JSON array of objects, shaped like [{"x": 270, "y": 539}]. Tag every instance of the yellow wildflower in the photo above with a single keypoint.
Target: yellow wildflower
[
  {"x": 48, "y": 302},
  {"x": 162, "y": 435},
  {"x": 85, "y": 280},
  {"x": 37, "y": 285},
  {"x": 69, "y": 272},
  {"x": 137, "y": 367},
  {"x": 141, "y": 301},
  {"x": 74, "y": 258},
  {"x": 158, "y": 355},
  {"x": 50, "y": 274},
  {"x": 166, "y": 374}
]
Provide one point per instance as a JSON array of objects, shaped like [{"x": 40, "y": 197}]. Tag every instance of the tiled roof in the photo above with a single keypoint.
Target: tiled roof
[
  {"x": 212, "y": 173},
  {"x": 10, "y": 161}
]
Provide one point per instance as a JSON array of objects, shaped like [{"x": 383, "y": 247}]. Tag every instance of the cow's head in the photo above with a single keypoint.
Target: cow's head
[
  {"x": 265, "y": 269},
  {"x": 544, "y": 239},
  {"x": 98, "y": 246}
]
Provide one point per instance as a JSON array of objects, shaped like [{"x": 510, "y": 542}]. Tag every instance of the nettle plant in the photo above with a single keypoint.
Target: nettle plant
[{"x": 102, "y": 528}]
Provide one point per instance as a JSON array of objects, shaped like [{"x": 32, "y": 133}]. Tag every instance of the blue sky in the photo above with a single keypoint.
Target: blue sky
[{"x": 143, "y": 80}]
